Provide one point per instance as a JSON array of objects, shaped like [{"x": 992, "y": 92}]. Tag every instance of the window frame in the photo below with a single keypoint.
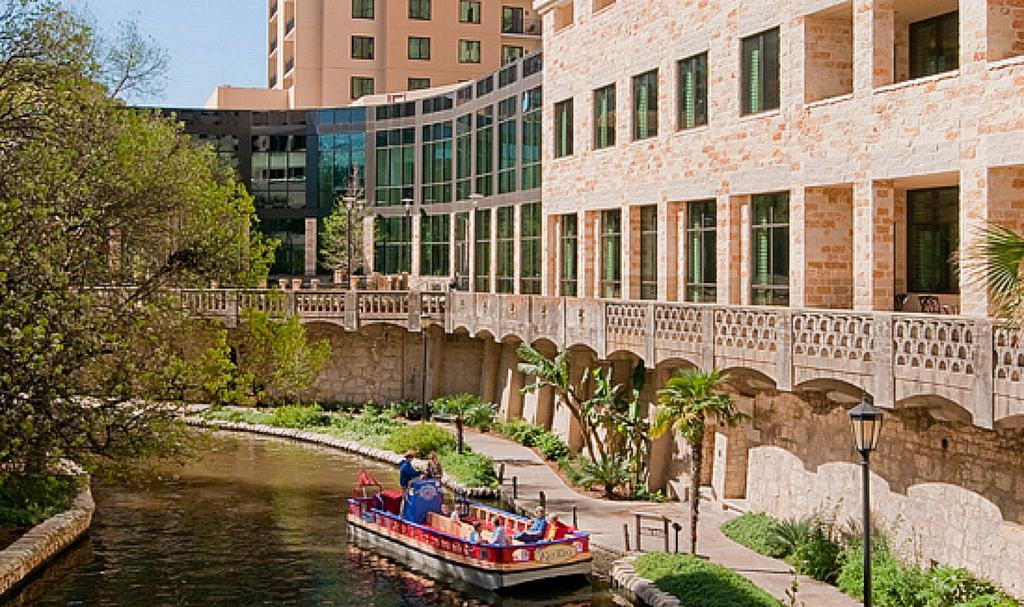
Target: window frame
[
  {"x": 569, "y": 243},
  {"x": 467, "y": 15},
  {"x": 610, "y": 280},
  {"x": 505, "y": 249},
  {"x": 417, "y": 8},
  {"x": 648, "y": 252},
  {"x": 363, "y": 4},
  {"x": 696, "y": 236},
  {"x": 776, "y": 293},
  {"x": 384, "y": 247},
  {"x": 362, "y": 79},
  {"x": 695, "y": 66},
  {"x": 417, "y": 43},
  {"x": 763, "y": 38},
  {"x": 642, "y": 83},
  {"x": 435, "y": 243},
  {"x": 509, "y": 22},
  {"x": 530, "y": 217},
  {"x": 462, "y": 250},
  {"x": 608, "y": 127},
  {"x": 482, "y": 250},
  {"x": 360, "y": 43},
  {"x": 467, "y": 54},
  {"x": 915, "y": 31},
  {"x": 411, "y": 86},
  {"x": 947, "y": 271},
  {"x": 563, "y": 122}
]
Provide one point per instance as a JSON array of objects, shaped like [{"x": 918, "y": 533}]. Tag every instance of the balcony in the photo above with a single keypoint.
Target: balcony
[
  {"x": 272, "y": 82},
  {"x": 289, "y": 26},
  {"x": 289, "y": 65},
  {"x": 273, "y": 47},
  {"x": 529, "y": 27},
  {"x": 273, "y": 10}
]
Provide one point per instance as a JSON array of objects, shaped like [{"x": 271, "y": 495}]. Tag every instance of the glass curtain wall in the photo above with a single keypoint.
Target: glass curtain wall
[
  {"x": 435, "y": 235},
  {"x": 396, "y": 160},
  {"x": 485, "y": 151},
  {"x": 611, "y": 253},
  {"x": 933, "y": 235},
  {"x": 529, "y": 243},
  {"x": 482, "y": 251},
  {"x": 770, "y": 284},
  {"x": 701, "y": 251},
  {"x": 508, "y": 146},
  {"x": 464, "y": 157},
  {"x": 506, "y": 245},
  {"x": 649, "y": 252},
  {"x": 279, "y": 171},
  {"x": 392, "y": 245},
  {"x": 290, "y": 255},
  {"x": 569, "y": 242},
  {"x": 437, "y": 163},
  {"x": 531, "y": 139}
]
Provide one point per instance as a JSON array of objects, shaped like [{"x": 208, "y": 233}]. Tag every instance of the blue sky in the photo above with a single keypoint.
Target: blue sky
[{"x": 210, "y": 42}]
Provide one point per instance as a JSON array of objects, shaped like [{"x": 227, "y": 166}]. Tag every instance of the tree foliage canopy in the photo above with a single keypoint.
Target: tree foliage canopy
[{"x": 103, "y": 209}]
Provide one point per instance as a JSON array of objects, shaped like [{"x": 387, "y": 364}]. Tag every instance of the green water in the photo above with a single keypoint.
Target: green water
[{"x": 256, "y": 522}]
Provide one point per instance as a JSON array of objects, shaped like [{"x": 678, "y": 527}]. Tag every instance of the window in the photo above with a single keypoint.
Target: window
[
  {"x": 469, "y": 51},
  {"x": 761, "y": 72},
  {"x": 933, "y": 235},
  {"x": 393, "y": 245},
  {"x": 563, "y": 128},
  {"x": 464, "y": 157},
  {"x": 604, "y": 117},
  {"x": 511, "y": 20},
  {"x": 485, "y": 151},
  {"x": 434, "y": 237},
  {"x": 529, "y": 245},
  {"x": 508, "y": 75},
  {"x": 531, "y": 139},
  {"x": 701, "y": 251},
  {"x": 935, "y": 45},
  {"x": 462, "y": 251},
  {"x": 645, "y": 105},
  {"x": 278, "y": 166},
  {"x": 506, "y": 244},
  {"x": 419, "y": 48},
  {"x": 419, "y": 9},
  {"x": 508, "y": 147},
  {"x": 693, "y": 92},
  {"x": 649, "y": 252},
  {"x": 396, "y": 152},
  {"x": 569, "y": 243},
  {"x": 338, "y": 155},
  {"x": 361, "y": 86},
  {"x": 437, "y": 163},
  {"x": 290, "y": 255},
  {"x": 770, "y": 284},
  {"x": 469, "y": 11},
  {"x": 510, "y": 54},
  {"x": 415, "y": 84},
  {"x": 362, "y": 9},
  {"x": 482, "y": 250},
  {"x": 611, "y": 253},
  {"x": 362, "y": 47}
]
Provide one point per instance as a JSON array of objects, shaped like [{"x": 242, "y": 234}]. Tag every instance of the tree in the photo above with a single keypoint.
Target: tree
[
  {"x": 1000, "y": 267},
  {"x": 278, "y": 357},
  {"x": 104, "y": 210},
  {"x": 336, "y": 233},
  {"x": 464, "y": 409},
  {"x": 689, "y": 400}
]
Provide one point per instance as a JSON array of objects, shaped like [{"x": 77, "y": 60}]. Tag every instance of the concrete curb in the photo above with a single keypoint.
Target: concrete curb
[
  {"x": 45, "y": 541},
  {"x": 336, "y": 443},
  {"x": 640, "y": 590}
]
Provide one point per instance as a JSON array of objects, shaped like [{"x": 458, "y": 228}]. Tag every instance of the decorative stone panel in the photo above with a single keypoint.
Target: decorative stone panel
[{"x": 834, "y": 345}]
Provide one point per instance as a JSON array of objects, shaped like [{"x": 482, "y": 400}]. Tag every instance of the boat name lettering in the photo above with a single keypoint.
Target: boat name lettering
[{"x": 555, "y": 554}]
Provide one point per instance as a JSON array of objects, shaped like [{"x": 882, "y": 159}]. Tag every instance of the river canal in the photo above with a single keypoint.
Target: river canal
[{"x": 256, "y": 521}]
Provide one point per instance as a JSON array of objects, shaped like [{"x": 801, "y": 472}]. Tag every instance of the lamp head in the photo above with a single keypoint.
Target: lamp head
[
  {"x": 866, "y": 423},
  {"x": 424, "y": 320}
]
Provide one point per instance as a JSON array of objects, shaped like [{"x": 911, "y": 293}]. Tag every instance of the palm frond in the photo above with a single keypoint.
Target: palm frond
[{"x": 997, "y": 261}]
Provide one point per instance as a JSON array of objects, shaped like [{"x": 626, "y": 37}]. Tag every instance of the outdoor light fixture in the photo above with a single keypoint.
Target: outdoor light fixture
[{"x": 866, "y": 423}]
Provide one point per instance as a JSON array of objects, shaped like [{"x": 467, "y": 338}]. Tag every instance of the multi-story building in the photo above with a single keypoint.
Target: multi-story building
[{"x": 326, "y": 53}]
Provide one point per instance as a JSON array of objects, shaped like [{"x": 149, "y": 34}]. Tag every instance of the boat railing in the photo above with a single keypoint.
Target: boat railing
[{"x": 553, "y": 551}]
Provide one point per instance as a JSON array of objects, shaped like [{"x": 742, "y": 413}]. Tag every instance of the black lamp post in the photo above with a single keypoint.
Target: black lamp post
[
  {"x": 424, "y": 323},
  {"x": 351, "y": 203},
  {"x": 866, "y": 423},
  {"x": 407, "y": 204}
]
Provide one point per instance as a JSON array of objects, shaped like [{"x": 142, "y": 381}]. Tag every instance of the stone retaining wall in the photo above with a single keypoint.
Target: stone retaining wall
[
  {"x": 640, "y": 590},
  {"x": 337, "y": 443},
  {"x": 45, "y": 541}
]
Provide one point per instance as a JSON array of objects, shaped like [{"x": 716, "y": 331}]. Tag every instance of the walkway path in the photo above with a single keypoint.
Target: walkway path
[{"x": 604, "y": 520}]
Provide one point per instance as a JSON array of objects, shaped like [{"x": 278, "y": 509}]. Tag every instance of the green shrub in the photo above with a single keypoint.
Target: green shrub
[
  {"x": 421, "y": 438},
  {"x": 788, "y": 535},
  {"x": 894, "y": 585},
  {"x": 409, "y": 409},
  {"x": 571, "y": 468},
  {"x": 470, "y": 469},
  {"x": 523, "y": 432},
  {"x": 609, "y": 474},
  {"x": 755, "y": 531},
  {"x": 817, "y": 556},
  {"x": 699, "y": 583},
  {"x": 551, "y": 446},
  {"x": 298, "y": 416},
  {"x": 30, "y": 499},
  {"x": 950, "y": 587}
]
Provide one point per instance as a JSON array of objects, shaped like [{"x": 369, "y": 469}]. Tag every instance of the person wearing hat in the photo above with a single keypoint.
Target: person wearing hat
[{"x": 406, "y": 471}]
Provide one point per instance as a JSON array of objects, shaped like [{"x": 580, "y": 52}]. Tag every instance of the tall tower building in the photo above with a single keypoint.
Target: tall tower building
[{"x": 328, "y": 53}]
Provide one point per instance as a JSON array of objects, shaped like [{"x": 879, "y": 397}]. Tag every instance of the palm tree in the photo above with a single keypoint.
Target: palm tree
[
  {"x": 689, "y": 400},
  {"x": 1000, "y": 257}
]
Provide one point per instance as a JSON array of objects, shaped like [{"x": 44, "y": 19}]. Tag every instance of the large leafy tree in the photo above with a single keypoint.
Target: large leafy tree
[
  {"x": 689, "y": 400},
  {"x": 103, "y": 208}
]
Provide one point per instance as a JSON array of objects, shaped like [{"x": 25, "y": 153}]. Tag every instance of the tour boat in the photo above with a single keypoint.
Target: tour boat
[{"x": 411, "y": 528}]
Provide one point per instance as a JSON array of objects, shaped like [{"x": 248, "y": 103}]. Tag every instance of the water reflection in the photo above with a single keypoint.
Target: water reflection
[{"x": 256, "y": 522}]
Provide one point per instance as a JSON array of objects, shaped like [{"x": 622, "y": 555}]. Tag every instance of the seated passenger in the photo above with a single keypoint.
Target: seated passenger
[
  {"x": 499, "y": 537},
  {"x": 536, "y": 530},
  {"x": 556, "y": 530},
  {"x": 474, "y": 535}
]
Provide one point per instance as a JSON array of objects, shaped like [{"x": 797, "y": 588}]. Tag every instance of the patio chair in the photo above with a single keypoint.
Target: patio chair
[{"x": 929, "y": 304}]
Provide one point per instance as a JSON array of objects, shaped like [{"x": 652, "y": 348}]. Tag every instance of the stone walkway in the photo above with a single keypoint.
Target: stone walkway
[{"x": 604, "y": 520}]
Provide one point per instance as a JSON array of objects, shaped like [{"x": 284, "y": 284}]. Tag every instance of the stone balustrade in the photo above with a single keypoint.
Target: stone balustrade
[{"x": 974, "y": 364}]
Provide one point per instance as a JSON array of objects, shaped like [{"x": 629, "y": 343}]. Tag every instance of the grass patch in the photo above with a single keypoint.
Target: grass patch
[
  {"x": 31, "y": 499},
  {"x": 699, "y": 583},
  {"x": 471, "y": 469},
  {"x": 754, "y": 530}
]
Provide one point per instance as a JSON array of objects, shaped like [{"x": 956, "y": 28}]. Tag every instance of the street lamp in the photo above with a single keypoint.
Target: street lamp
[
  {"x": 351, "y": 203},
  {"x": 866, "y": 423},
  {"x": 424, "y": 323}
]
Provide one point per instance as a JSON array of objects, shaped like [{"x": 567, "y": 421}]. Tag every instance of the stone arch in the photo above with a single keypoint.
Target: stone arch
[
  {"x": 938, "y": 407},
  {"x": 1010, "y": 422}
]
